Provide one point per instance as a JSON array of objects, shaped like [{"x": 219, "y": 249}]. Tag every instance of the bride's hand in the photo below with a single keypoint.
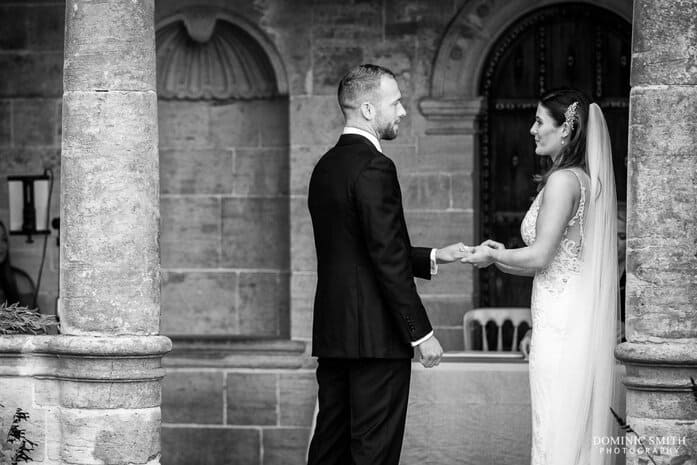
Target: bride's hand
[
  {"x": 480, "y": 257},
  {"x": 493, "y": 244},
  {"x": 524, "y": 346}
]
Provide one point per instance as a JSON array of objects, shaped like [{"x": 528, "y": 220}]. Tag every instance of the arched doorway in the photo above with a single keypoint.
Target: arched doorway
[{"x": 570, "y": 44}]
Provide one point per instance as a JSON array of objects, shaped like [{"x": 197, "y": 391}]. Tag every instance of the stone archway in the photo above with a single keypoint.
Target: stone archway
[
  {"x": 461, "y": 58},
  {"x": 225, "y": 205},
  {"x": 454, "y": 103}
]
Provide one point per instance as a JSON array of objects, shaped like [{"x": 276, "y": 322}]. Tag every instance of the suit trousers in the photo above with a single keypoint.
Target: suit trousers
[{"x": 362, "y": 411}]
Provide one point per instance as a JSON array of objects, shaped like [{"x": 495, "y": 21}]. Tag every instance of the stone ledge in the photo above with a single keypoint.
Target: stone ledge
[
  {"x": 451, "y": 117},
  {"x": 108, "y": 346},
  {"x": 79, "y": 358},
  {"x": 237, "y": 352}
]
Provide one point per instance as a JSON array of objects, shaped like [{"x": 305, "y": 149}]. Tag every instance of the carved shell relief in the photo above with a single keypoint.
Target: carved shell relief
[{"x": 201, "y": 56}]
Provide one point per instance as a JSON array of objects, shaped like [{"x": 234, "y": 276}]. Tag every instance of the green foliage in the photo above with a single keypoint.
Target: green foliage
[{"x": 22, "y": 320}]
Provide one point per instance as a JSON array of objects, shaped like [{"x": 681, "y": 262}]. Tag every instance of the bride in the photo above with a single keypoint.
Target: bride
[{"x": 570, "y": 237}]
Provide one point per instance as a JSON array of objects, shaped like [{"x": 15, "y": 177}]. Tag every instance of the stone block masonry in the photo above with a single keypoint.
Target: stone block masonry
[
  {"x": 225, "y": 217},
  {"x": 218, "y": 409}
]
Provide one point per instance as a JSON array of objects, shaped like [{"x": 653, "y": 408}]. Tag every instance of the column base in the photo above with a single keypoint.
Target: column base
[
  {"x": 91, "y": 400},
  {"x": 661, "y": 400}
]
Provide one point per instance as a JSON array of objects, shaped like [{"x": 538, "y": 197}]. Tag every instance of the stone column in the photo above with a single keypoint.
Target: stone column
[
  {"x": 110, "y": 285},
  {"x": 661, "y": 349}
]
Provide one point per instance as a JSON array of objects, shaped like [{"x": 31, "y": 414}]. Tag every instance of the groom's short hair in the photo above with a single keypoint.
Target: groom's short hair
[{"x": 359, "y": 83}]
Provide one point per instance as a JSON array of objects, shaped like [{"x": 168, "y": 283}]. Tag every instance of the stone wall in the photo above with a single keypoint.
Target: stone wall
[
  {"x": 244, "y": 416},
  {"x": 317, "y": 45},
  {"x": 31, "y": 74},
  {"x": 224, "y": 207}
]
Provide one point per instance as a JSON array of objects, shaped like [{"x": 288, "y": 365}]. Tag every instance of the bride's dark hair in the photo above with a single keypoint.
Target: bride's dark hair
[{"x": 557, "y": 102}]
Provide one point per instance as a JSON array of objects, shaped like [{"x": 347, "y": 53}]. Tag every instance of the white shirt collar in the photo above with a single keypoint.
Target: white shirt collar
[{"x": 373, "y": 140}]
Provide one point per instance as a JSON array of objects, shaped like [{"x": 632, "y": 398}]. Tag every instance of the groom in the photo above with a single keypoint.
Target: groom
[{"x": 367, "y": 314}]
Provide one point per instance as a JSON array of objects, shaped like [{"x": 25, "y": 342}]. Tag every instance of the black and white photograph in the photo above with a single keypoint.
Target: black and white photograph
[{"x": 348, "y": 232}]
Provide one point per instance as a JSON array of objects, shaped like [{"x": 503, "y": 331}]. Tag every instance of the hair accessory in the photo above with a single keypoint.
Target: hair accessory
[{"x": 570, "y": 115}]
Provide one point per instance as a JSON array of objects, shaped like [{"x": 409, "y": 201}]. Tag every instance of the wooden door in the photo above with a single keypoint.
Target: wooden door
[{"x": 574, "y": 44}]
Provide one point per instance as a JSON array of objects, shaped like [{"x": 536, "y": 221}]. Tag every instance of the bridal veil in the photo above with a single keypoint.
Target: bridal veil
[{"x": 586, "y": 392}]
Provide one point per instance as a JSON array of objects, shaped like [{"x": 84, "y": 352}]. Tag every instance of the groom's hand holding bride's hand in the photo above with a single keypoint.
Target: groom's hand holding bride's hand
[
  {"x": 452, "y": 253},
  {"x": 482, "y": 255}
]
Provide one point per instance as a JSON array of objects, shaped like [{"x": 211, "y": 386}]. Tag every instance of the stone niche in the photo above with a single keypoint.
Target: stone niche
[
  {"x": 235, "y": 384},
  {"x": 224, "y": 170}
]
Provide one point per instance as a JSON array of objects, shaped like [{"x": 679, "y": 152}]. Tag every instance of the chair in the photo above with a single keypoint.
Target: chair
[{"x": 516, "y": 315}]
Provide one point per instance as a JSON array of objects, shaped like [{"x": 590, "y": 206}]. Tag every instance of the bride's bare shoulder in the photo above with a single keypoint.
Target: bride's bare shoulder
[{"x": 563, "y": 182}]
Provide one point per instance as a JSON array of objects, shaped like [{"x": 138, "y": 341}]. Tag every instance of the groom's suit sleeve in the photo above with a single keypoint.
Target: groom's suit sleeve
[
  {"x": 421, "y": 262},
  {"x": 379, "y": 205}
]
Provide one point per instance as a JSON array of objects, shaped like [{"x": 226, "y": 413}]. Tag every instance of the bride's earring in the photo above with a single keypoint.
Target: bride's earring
[{"x": 562, "y": 142}]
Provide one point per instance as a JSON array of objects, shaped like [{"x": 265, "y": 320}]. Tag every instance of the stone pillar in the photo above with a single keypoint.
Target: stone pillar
[
  {"x": 109, "y": 168},
  {"x": 109, "y": 402},
  {"x": 661, "y": 326}
]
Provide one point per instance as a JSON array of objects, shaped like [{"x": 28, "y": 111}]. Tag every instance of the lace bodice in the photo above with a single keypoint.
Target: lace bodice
[{"x": 566, "y": 260}]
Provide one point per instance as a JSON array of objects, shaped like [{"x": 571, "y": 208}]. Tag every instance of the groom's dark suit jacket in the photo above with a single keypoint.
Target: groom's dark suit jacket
[{"x": 366, "y": 305}]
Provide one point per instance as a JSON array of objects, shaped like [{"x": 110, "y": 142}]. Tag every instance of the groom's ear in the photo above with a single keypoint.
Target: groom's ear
[{"x": 367, "y": 111}]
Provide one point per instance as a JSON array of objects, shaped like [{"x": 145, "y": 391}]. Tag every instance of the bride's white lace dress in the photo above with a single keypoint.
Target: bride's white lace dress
[{"x": 555, "y": 288}]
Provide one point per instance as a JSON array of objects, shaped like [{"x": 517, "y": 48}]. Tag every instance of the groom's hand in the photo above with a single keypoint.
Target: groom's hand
[
  {"x": 452, "y": 253},
  {"x": 481, "y": 256},
  {"x": 431, "y": 352}
]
